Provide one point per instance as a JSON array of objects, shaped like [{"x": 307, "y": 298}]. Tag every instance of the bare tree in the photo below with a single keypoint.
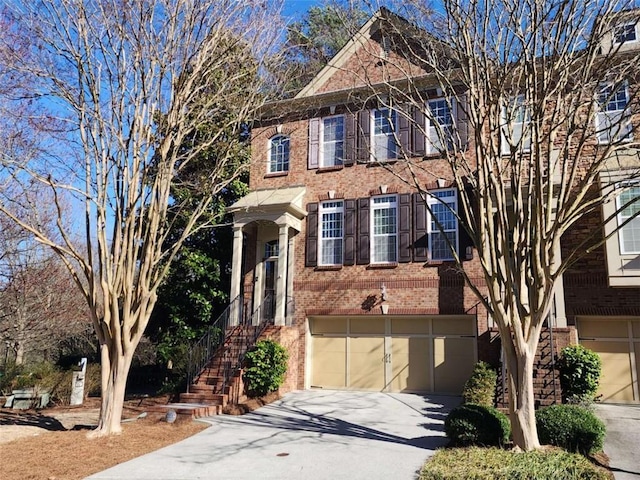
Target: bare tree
[
  {"x": 529, "y": 128},
  {"x": 129, "y": 86}
]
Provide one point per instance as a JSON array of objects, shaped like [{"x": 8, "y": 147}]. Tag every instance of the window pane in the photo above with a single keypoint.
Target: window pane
[
  {"x": 332, "y": 141},
  {"x": 443, "y": 226},
  {"x": 625, "y": 33},
  {"x": 331, "y": 233},
  {"x": 279, "y": 155},
  {"x": 630, "y": 233},
  {"x": 385, "y": 229},
  {"x": 384, "y": 144}
]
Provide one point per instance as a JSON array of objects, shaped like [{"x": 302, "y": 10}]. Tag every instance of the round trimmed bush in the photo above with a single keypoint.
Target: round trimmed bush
[
  {"x": 481, "y": 386},
  {"x": 473, "y": 424},
  {"x": 580, "y": 370},
  {"x": 571, "y": 427},
  {"x": 265, "y": 366}
]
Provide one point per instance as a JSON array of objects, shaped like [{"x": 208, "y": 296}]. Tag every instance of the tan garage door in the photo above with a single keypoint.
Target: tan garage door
[
  {"x": 617, "y": 341},
  {"x": 397, "y": 354}
]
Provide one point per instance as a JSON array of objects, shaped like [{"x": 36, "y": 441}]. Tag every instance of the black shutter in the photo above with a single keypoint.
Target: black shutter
[
  {"x": 464, "y": 239},
  {"x": 420, "y": 235},
  {"x": 314, "y": 143},
  {"x": 364, "y": 136},
  {"x": 311, "y": 257},
  {"x": 404, "y": 228},
  {"x": 462, "y": 122},
  {"x": 404, "y": 129},
  {"x": 418, "y": 130},
  {"x": 363, "y": 231},
  {"x": 350, "y": 232},
  {"x": 350, "y": 146}
]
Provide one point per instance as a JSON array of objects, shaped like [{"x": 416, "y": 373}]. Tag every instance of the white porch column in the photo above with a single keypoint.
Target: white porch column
[
  {"x": 236, "y": 276},
  {"x": 281, "y": 281},
  {"x": 290, "y": 269}
]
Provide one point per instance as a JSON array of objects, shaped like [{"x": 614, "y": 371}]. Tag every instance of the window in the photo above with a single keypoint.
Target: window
[
  {"x": 331, "y": 232},
  {"x": 613, "y": 120},
  {"x": 440, "y": 125},
  {"x": 271, "y": 249},
  {"x": 629, "y": 234},
  {"x": 279, "y": 154},
  {"x": 625, "y": 33},
  {"x": 384, "y": 128},
  {"x": 385, "y": 230},
  {"x": 332, "y": 141},
  {"x": 443, "y": 224},
  {"x": 516, "y": 117}
]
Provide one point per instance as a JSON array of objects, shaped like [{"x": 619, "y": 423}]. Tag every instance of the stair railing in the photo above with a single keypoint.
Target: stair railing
[
  {"x": 202, "y": 350},
  {"x": 245, "y": 336}
]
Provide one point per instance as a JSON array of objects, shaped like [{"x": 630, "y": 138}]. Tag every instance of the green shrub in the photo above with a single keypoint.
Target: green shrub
[
  {"x": 265, "y": 366},
  {"x": 580, "y": 370},
  {"x": 571, "y": 427},
  {"x": 471, "y": 424},
  {"x": 497, "y": 464},
  {"x": 481, "y": 386}
]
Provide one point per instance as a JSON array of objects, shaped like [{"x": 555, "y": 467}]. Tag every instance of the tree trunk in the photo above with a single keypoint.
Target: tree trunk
[
  {"x": 113, "y": 372},
  {"x": 18, "y": 348},
  {"x": 521, "y": 399}
]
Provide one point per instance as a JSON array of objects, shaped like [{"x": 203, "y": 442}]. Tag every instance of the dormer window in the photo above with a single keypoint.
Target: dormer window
[
  {"x": 626, "y": 33},
  {"x": 279, "y": 154}
]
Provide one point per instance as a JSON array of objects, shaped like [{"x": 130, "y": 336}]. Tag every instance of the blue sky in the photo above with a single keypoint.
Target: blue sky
[{"x": 297, "y": 7}]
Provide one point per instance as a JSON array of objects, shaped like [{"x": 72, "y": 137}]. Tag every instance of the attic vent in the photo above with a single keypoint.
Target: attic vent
[{"x": 386, "y": 47}]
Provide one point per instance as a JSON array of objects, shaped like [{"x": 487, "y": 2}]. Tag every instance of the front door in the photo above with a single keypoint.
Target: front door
[{"x": 270, "y": 276}]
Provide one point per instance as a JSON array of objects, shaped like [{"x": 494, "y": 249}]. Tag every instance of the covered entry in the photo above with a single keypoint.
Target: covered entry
[
  {"x": 617, "y": 341},
  {"x": 396, "y": 354}
]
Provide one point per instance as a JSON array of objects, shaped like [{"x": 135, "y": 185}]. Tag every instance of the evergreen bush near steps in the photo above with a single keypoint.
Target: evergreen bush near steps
[
  {"x": 264, "y": 368},
  {"x": 473, "y": 424},
  {"x": 570, "y": 427},
  {"x": 481, "y": 386},
  {"x": 580, "y": 370}
]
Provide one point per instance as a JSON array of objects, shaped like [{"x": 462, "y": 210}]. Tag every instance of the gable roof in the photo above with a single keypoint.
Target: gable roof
[{"x": 366, "y": 32}]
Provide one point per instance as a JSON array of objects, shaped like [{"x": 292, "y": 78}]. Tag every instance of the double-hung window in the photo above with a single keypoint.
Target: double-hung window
[
  {"x": 440, "y": 125},
  {"x": 516, "y": 119},
  {"x": 279, "y": 154},
  {"x": 332, "y": 141},
  {"x": 628, "y": 205},
  {"x": 443, "y": 224},
  {"x": 384, "y": 241},
  {"x": 613, "y": 119},
  {"x": 384, "y": 145},
  {"x": 331, "y": 232},
  {"x": 625, "y": 33}
]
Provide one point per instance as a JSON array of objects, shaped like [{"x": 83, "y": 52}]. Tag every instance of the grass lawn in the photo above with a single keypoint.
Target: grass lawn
[{"x": 476, "y": 463}]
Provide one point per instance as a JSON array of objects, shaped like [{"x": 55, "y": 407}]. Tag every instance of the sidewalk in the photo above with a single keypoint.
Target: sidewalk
[{"x": 622, "y": 443}]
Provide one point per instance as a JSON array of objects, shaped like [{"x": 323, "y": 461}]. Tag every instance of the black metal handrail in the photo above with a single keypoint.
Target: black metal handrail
[
  {"x": 202, "y": 350},
  {"x": 243, "y": 337}
]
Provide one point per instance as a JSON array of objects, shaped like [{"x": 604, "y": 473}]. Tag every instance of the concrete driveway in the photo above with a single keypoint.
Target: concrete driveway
[
  {"x": 622, "y": 443},
  {"x": 316, "y": 434}
]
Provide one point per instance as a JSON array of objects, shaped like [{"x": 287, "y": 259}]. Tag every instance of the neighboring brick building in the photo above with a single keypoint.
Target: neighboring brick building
[{"x": 331, "y": 245}]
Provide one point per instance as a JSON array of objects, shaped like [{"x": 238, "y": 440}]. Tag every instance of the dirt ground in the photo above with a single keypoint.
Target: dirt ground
[{"x": 52, "y": 444}]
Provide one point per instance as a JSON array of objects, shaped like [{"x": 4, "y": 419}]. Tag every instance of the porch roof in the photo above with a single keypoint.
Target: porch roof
[{"x": 282, "y": 200}]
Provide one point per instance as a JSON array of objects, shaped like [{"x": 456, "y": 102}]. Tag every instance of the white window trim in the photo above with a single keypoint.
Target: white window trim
[
  {"x": 322, "y": 160},
  {"x": 602, "y": 135},
  {"x": 453, "y": 107},
  {"x": 507, "y": 127},
  {"x": 322, "y": 209},
  {"x": 636, "y": 26},
  {"x": 621, "y": 220},
  {"x": 269, "y": 151},
  {"x": 433, "y": 200},
  {"x": 372, "y": 135},
  {"x": 389, "y": 204}
]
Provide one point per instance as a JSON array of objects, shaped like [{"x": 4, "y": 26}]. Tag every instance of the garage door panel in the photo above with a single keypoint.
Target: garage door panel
[
  {"x": 328, "y": 326},
  {"x": 366, "y": 363},
  {"x": 454, "y": 359},
  {"x": 409, "y": 326},
  {"x": 410, "y": 358},
  {"x": 615, "y": 381},
  {"x": 453, "y": 326},
  {"x": 329, "y": 364},
  {"x": 603, "y": 329}
]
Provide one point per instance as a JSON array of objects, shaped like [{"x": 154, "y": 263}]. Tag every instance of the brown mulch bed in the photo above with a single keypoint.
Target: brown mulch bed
[{"x": 52, "y": 444}]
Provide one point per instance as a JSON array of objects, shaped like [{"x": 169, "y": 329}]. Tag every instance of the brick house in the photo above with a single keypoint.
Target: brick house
[{"x": 348, "y": 264}]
